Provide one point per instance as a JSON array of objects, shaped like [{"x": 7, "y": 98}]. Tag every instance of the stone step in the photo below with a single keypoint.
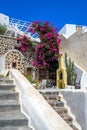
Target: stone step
[
  {"x": 12, "y": 119},
  {"x": 9, "y": 105},
  {"x": 49, "y": 93},
  {"x": 55, "y": 103},
  {"x": 59, "y": 104},
  {"x": 9, "y": 95},
  {"x": 60, "y": 110},
  {"x": 6, "y": 81},
  {"x": 7, "y": 87},
  {"x": 16, "y": 128},
  {"x": 73, "y": 127},
  {"x": 66, "y": 117},
  {"x": 52, "y": 97}
]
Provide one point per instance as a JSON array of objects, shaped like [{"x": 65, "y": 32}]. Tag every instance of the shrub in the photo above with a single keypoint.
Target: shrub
[
  {"x": 2, "y": 29},
  {"x": 48, "y": 50},
  {"x": 71, "y": 74}
]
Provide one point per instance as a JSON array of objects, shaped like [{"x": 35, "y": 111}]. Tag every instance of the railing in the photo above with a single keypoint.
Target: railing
[{"x": 19, "y": 27}]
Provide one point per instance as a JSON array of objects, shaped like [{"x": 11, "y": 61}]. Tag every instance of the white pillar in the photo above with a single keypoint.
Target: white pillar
[{"x": 2, "y": 64}]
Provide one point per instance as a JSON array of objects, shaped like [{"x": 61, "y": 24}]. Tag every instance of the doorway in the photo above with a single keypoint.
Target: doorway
[{"x": 14, "y": 65}]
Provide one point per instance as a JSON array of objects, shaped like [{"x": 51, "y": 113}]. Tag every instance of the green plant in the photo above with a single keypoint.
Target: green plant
[
  {"x": 30, "y": 78},
  {"x": 33, "y": 81},
  {"x": 71, "y": 74},
  {"x": 2, "y": 29}
]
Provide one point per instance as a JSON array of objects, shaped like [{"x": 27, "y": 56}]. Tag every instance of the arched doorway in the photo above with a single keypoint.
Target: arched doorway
[
  {"x": 14, "y": 65},
  {"x": 15, "y": 59}
]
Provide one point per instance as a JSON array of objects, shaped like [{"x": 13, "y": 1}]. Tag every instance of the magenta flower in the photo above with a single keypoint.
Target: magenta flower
[
  {"x": 48, "y": 49},
  {"x": 22, "y": 49}
]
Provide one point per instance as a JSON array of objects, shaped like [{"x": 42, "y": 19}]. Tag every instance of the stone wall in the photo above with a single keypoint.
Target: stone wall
[
  {"x": 13, "y": 57},
  {"x": 6, "y": 44}
]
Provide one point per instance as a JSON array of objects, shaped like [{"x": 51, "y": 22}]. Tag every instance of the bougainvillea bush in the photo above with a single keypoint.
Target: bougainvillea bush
[
  {"x": 26, "y": 43},
  {"x": 47, "y": 51}
]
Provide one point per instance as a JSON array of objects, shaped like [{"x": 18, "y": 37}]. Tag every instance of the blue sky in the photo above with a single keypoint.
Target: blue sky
[{"x": 57, "y": 12}]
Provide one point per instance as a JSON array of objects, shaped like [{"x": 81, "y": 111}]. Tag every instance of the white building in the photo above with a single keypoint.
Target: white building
[
  {"x": 4, "y": 19},
  {"x": 69, "y": 29}
]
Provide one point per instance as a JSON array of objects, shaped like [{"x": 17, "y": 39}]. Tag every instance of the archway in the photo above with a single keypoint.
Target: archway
[{"x": 15, "y": 59}]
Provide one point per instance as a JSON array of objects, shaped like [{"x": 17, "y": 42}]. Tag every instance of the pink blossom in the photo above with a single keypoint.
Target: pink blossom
[
  {"x": 48, "y": 49},
  {"x": 22, "y": 49},
  {"x": 58, "y": 41},
  {"x": 35, "y": 63}
]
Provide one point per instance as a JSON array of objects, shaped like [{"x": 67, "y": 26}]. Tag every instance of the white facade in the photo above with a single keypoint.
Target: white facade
[
  {"x": 4, "y": 19},
  {"x": 68, "y": 30}
]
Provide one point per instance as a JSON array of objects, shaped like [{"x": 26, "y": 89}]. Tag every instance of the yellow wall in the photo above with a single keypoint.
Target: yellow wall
[{"x": 61, "y": 74}]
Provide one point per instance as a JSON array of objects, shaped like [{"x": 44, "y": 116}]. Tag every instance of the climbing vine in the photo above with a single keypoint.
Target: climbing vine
[{"x": 47, "y": 51}]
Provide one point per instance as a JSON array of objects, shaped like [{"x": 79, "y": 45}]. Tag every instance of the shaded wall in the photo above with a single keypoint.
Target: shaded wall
[{"x": 76, "y": 48}]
